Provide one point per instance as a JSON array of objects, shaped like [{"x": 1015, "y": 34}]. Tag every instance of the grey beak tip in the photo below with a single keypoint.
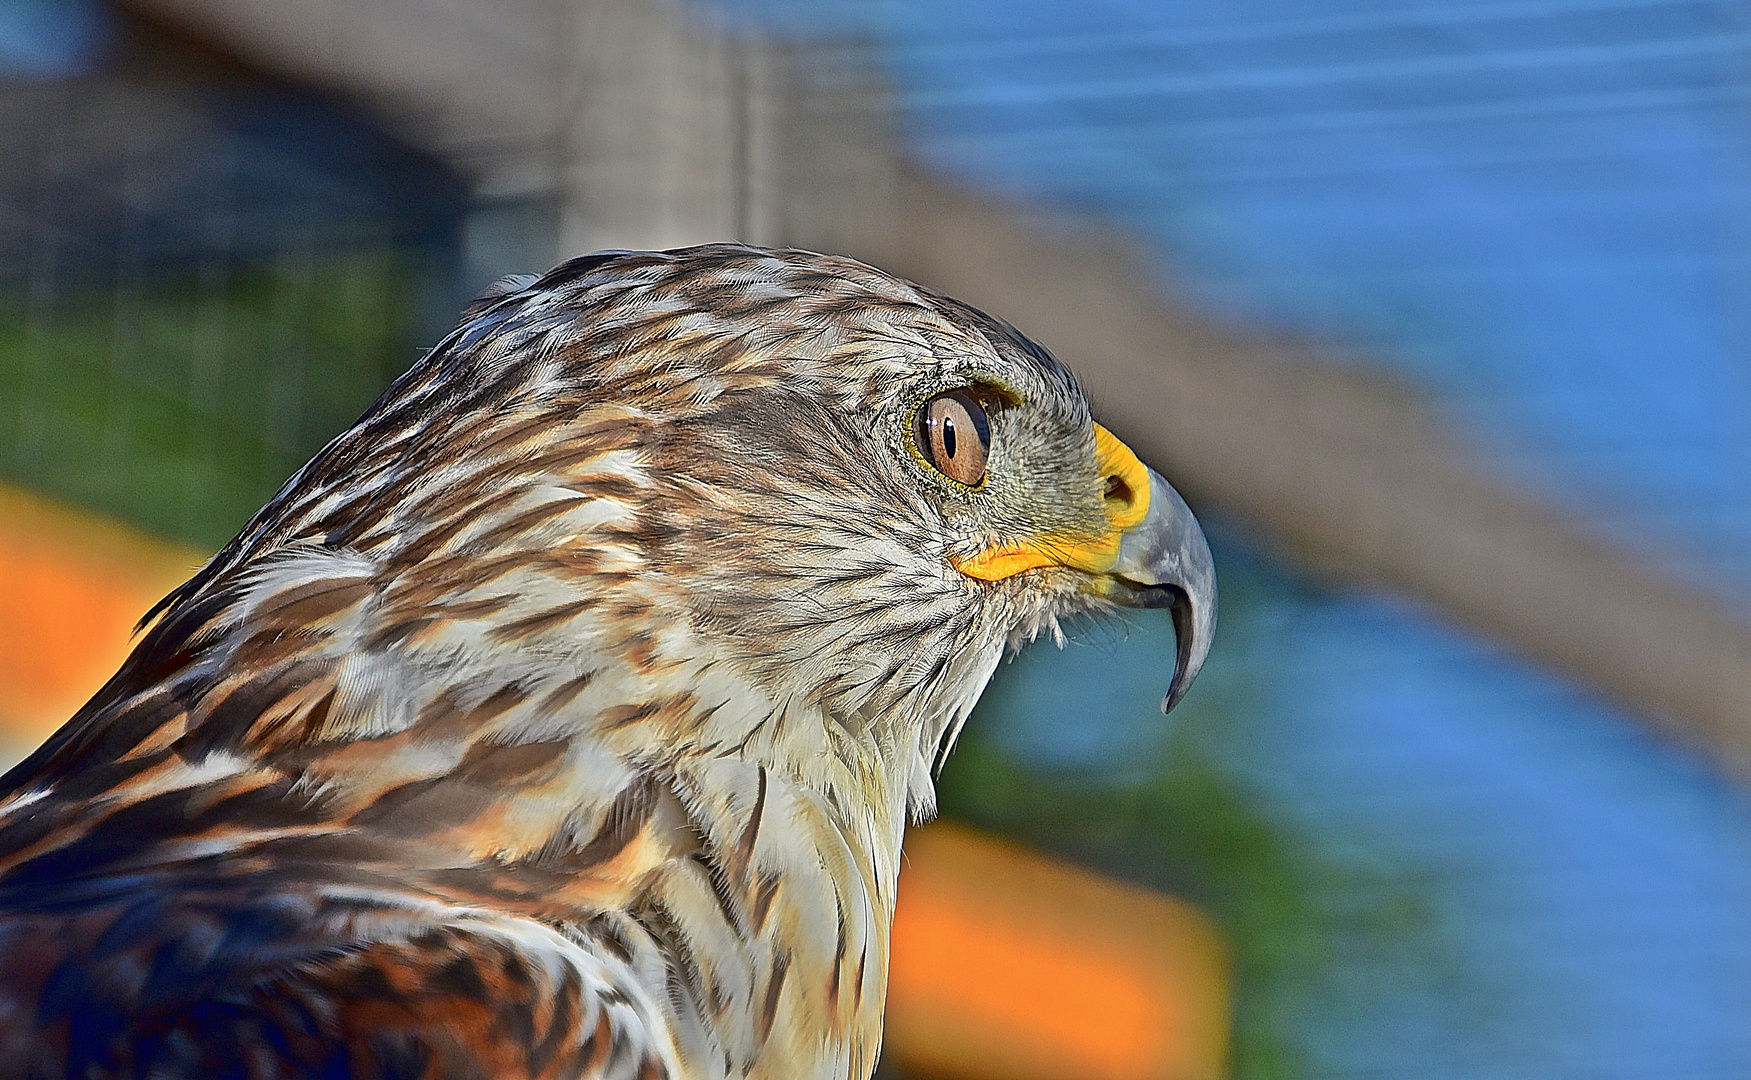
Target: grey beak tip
[
  {"x": 1169, "y": 557},
  {"x": 1194, "y": 623},
  {"x": 1186, "y": 567}
]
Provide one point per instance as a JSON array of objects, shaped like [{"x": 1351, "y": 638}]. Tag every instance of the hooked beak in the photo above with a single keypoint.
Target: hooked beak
[
  {"x": 1152, "y": 555},
  {"x": 1165, "y": 561}
]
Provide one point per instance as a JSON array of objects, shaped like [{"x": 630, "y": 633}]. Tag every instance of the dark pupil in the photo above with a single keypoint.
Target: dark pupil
[{"x": 948, "y": 435}]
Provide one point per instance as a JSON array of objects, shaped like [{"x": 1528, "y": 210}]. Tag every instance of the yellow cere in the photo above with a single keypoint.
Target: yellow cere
[{"x": 1094, "y": 554}]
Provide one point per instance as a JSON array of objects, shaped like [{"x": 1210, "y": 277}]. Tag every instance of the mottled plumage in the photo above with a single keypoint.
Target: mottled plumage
[{"x": 562, "y": 717}]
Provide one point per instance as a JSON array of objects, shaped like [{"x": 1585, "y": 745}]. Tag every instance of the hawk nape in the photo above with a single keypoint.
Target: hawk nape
[{"x": 562, "y": 717}]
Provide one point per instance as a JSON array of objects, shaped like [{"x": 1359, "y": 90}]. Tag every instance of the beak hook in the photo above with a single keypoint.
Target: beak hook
[
  {"x": 1166, "y": 558},
  {"x": 1185, "y": 636}
]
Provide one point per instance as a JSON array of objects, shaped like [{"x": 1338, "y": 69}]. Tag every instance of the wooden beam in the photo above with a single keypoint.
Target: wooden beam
[
  {"x": 1356, "y": 477},
  {"x": 1353, "y": 476}
]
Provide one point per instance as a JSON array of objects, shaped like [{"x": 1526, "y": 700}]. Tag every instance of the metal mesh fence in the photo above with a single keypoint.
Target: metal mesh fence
[{"x": 203, "y": 276}]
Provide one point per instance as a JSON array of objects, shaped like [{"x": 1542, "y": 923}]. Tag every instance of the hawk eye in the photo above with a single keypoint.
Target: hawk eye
[{"x": 954, "y": 436}]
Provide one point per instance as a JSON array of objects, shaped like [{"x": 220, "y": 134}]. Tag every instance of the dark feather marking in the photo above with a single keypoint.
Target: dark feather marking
[
  {"x": 763, "y": 895},
  {"x": 422, "y": 807},
  {"x": 397, "y": 632},
  {"x": 621, "y": 824},
  {"x": 272, "y": 804},
  {"x": 606, "y": 486},
  {"x": 508, "y": 436},
  {"x": 90, "y": 738},
  {"x": 751, "y": 831},
  {"x": 171, "y": 645},
  {"x": 226, "y": 722},
  {"x": 96, "y": 779},
  {"x": 113, "y": 841},
  {"x": 684, "y": 983},
  {"x": 499, "y": 701},
  {"x": 612, "y": 937},
  {"x": 700, "y": 717},
  {"x": 445, "y": 718},
  {"x": 774, "y": 986},
  {"x": 398, "y": 1054},
  {"x": 24, "y": 829},
  {"x": 312, "y": 720},
  {"x": 837, "y": 976},
  {"x": 516, "y": 1015},
  {"x": 272, "y": 645},
  {"x": 540, "y": 621},
  {"x": 502, "y": 764},
  {"x": 514, "y": 972},
  {"x": 431, "y": 539},
  {"x": 484, "y": 325},
  {"x": 518, "y": 524},
  {"x": 420, "y": 501},
  {"x": 598, "y": 1049},
  {"x": 639, "y": 648},
  {"x": 313, "y": 601},
  {"x": 647, "y": 535},
  {"x": 364, "y": 514},
  {"x": 568, "y": 456},
  {"x": 339, "y": 854},
  {"x": 499, "y": 389},
  {"x": 459, "y": 976},
  {"x": 570, "y": 560},
  {"x": 477, "y": 609},
  {"x": 718, "y": 878},
  {"x": 561, "y": 1023},
  {"x": 719, "y": 1000},
  {"x": 347, "y": 511},
  {"x": 561, "y": 696},
  {"x": 621, "y": 716},
  {"x": 573, "y": 271},
  {"x": 187, "y": 607},
  {"x": 490, "y": 883}
]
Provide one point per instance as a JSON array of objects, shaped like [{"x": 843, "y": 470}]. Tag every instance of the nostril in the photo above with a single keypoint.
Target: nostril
[{"x": 1119, "y": 492}]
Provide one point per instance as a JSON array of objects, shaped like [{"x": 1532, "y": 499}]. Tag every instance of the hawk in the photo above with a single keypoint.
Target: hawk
[{"x": 562, "y": 717}]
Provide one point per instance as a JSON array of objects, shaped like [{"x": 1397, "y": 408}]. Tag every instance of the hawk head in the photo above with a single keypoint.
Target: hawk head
[{"x": 792, "y": 506}]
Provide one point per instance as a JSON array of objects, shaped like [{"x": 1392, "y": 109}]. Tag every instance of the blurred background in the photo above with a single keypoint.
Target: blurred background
[{"x": 1440, "y": 314}]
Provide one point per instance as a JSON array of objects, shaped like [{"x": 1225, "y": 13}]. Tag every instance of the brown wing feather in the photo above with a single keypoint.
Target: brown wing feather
[{"x": 220, "y": 987}]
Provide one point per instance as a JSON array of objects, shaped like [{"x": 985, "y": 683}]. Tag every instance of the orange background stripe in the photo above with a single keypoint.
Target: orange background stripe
[
  {"x": 72, "y": 585},
  {"x": 1011, "y": 966}
]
